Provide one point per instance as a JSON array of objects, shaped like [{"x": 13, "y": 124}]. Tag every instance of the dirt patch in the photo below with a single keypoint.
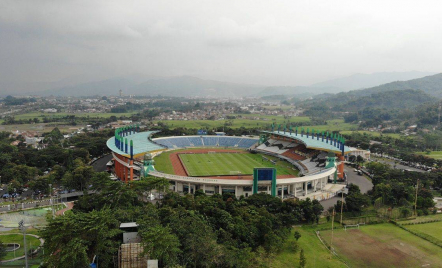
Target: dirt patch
[{"x": 367, "y": 251}]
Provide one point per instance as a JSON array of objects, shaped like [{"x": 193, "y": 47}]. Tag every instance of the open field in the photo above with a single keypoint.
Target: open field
[
  {"x": 430, "y": 217},
  {"x": 219, "y": 164},
  {"x": 246, "y": 121},
  {"x": 316, "y": 253},
  {"x": 433, "y": 154},
  {"x": 59, "y": 115},
  {"x": 375, "y": 134},
  {"x": 264, "y": 124},
  {"x": 383, "y": 245},
  {"x": 41, "y": 127},
  {"x": 433, "y": 228},
  {"x": 277, "y": 107}
]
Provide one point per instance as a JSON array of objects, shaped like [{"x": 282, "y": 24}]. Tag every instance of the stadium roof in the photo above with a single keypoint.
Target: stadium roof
[
  {"x": 312, "y": 142},
  {"x": 141, "y": 143}
]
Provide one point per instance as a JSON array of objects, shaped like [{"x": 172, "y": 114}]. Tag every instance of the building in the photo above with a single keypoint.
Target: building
[{"x": 319, "y": 157}]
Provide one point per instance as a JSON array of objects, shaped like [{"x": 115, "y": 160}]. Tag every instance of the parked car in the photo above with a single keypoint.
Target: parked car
[{"x": 5, "y": 196}]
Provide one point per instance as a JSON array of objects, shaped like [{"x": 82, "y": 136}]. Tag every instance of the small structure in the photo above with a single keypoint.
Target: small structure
[{"x": 130, "y": 252}]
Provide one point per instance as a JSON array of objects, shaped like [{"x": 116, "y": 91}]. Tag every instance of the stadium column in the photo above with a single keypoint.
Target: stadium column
[
  {"x": 316, "y": 182},
  {"x": 282, "y": 192},
  {"x": 236, "y": 190},
  {"x": 131, "y": 169},
  {"x": 306, "y": 184},
  {"x": 341, "y": 166},
  {"x": 204, "y": 189},
  {"x": 220, "y": 190},
  {"x": 294, "y": 190}
]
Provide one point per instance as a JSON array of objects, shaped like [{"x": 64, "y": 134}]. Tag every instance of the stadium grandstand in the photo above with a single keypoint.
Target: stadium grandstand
[{"x": 218, "y": 164}]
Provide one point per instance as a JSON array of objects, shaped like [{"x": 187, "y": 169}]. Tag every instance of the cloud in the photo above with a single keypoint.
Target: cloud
[{"x": 261, "y": 42}]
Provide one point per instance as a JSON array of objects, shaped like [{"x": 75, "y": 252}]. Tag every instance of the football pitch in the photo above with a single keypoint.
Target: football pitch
[{"x": 224, "y": 164}]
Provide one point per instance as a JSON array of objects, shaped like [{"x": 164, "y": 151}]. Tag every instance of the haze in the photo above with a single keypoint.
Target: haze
[{"x": 255, "y": 42}]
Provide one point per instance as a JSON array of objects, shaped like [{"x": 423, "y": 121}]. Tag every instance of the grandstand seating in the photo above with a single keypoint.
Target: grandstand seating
[
  {"x": 198, "y": 141},
  {"x": 165, "y": 142},
  {"x": 210, "y": 141},
  {"x": 227, "y": 142},
  {"x": 246, "y": 142}
]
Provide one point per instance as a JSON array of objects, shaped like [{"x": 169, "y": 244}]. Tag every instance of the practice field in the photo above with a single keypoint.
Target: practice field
[
  {"x": 222, "y": 164},
  {"x": 433, "y": 154},
  {"x": 383, "y": 245}
]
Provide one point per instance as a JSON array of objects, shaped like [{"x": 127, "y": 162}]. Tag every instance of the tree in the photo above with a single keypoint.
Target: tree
[
  {"x": 73, "y": 239},
  {"x": 297, "y": 235},
  {"x": 2, "y": 250},
  {"x": 302, "y": 259},
  {"x": 160, "y": 243}
]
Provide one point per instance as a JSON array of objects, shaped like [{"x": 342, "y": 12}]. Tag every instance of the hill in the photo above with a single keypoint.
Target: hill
[
  {"x": 352, "y": 82},
  {"x": 359, "y": 81},
  {"x": 431, "y": 85},
  {"x": 395, "y": 99}
]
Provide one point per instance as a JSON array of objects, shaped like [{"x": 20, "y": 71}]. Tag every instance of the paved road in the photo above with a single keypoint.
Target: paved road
[
  {"x": 398, "y": 166},
  {"x": 100, "y": 164},
  {"x": 364, "y": 184}
]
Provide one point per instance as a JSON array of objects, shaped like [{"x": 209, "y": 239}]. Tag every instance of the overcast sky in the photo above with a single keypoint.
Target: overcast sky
[{"x": 260, "y": 42}]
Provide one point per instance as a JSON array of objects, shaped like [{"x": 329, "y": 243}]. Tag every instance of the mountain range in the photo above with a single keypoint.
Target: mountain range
[{"x": 187, "y": 86}]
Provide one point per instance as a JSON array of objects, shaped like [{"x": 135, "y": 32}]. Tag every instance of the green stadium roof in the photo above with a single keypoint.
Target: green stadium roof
[
  {"x": 141, "y": 143},
  {"x": 312, "y": 142}
]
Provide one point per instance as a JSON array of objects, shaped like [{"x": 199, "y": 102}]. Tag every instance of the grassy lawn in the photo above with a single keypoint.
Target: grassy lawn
[
  {"x": 41, "y": 127},
  {"x": 433, "y": 154},
  {"x": 433, "y": 228},
  {"x": 375, "y": 134},
  {"x": 277, "y": 107},
  {"x": 227, "y": 164},
  {"x": 56, "y": 115},
  {"x": 246, "y": 121},
  {"x": 423, "y": 219},
  {"x": 316, "y": 253},
  {"x": 31, "y": 242},
  {"x": 383, "y": 245}
]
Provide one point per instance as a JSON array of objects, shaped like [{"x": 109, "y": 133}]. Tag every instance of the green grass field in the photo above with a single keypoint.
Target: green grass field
[
  {"x": 219, "y": 164},
  {"x": 57, "y": 115},
  {"x": 433, "y": 154},
  {"x": 383, "y": 245},
  {"x": 316, "y": 253},
  {"x": 433, "y": 228},
  {"x": 374, "y": 134},
  {"x": 424, "y": 218}
]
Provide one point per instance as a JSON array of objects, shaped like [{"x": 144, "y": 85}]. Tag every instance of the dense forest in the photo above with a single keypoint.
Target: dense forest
[{"x": 192, "y": 230}]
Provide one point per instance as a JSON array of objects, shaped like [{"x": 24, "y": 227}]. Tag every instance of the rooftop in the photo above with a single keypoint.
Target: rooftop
[
  {"x": 141, "y": 143},
  {"x": 312, "y": 142}
]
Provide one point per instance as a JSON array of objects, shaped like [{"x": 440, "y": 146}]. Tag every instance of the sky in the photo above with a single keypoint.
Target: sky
[{"x": 257, "y": 42}]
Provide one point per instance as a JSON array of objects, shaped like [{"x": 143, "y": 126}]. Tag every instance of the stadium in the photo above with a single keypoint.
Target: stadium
[{"x": 287, "y": 164}]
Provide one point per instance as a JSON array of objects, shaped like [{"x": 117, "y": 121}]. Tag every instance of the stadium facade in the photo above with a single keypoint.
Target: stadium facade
[{"x": 318, "y": 156}]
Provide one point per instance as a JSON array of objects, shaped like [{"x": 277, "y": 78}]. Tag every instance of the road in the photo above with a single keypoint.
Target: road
[
  {"x": 364, "y": 184},
  {"x": 394, "y": 165},
  {"x": 100, "y": 164}
]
